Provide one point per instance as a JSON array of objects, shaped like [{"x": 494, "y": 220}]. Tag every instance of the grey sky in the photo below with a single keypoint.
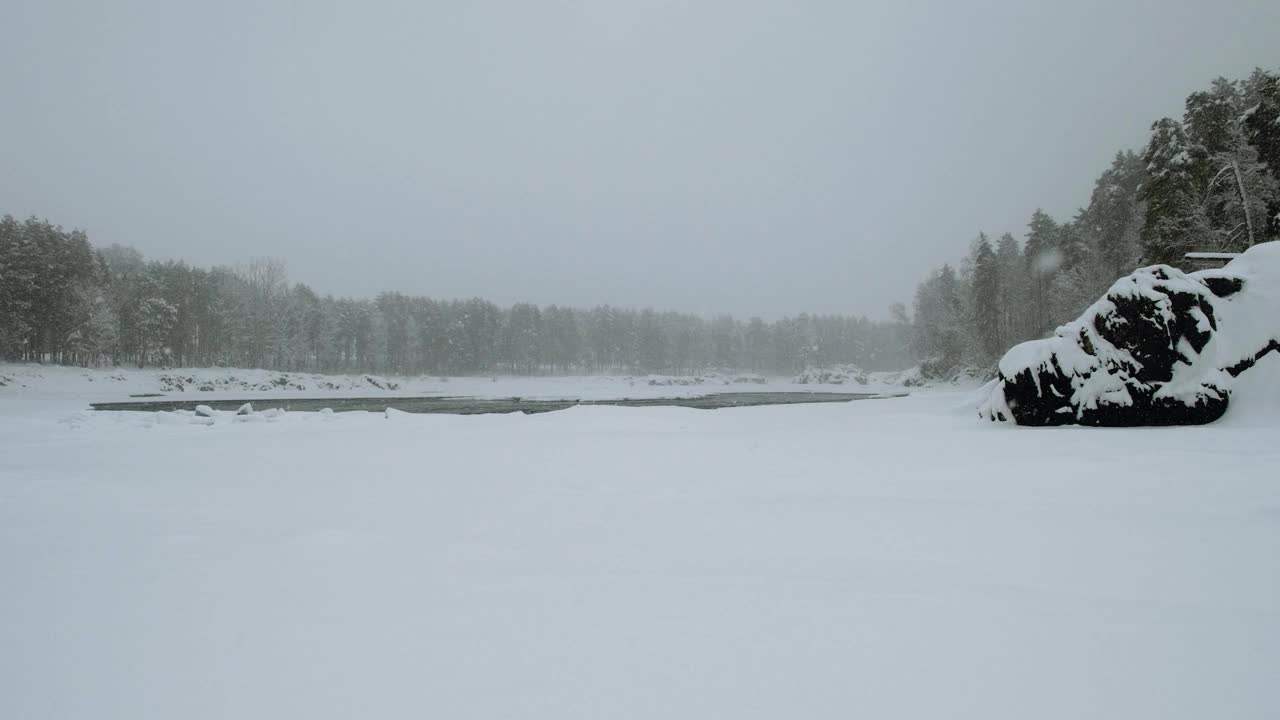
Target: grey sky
[{"x": 749, "y": 157}]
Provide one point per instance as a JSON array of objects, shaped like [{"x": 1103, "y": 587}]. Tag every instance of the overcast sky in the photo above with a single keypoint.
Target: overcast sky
[{"x": 749, "y": 157}]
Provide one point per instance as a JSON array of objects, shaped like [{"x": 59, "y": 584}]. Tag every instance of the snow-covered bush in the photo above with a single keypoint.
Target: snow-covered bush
[
  {"x": 265, "y": 381},
  {"x": 832, "y": 375},
  {"x": 708, "y": 378},
  {"x": 1160, "y": 348},
  {"x": 672, "y": 381}
]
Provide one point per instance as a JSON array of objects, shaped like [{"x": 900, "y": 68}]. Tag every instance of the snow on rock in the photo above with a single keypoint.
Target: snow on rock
[
  {"x": 245, "y": 409},
  {"x": 1255, "y": 395},
  {"x": 1162, "y": 347},
  {"x": 911, "y": 377},
  {"x": 205, "y": 411}
]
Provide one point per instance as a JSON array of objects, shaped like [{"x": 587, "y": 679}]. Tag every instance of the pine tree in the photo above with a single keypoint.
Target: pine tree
[
  {"x": 1112, "y": 222},
  {"x": 1044, "y": 259},
  {"x": 726, "y": 342},
  {"x": 1077, "y": 283},
  {"x": 757, "y": 342},
  {"x": 937, "y": 338},
  {"x": 1237, "y": 188},
  {"x": 1175, "y": 221},
  {"x": 1012, "y": 287},
  {"x": 984, "y": 302},
  {"x": 1211, "y": 118},
  {"x": 523, "y": 338},
  {"x": 651, "y": 343},
  {"x": 157, "y": 318},
  {"x": 1261, "y": 129},
  {"x": 18, "y": 275},
  {"x": 1238, "y": 198}
]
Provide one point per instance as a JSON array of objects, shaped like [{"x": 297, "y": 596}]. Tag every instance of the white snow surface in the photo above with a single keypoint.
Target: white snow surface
[
  {"x": 880, "y": 559},
  {"x": 1249, "y": 319}
]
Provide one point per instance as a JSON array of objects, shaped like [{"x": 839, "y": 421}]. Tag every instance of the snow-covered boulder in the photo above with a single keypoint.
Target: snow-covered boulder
[{"x": 1162, "y": 347}]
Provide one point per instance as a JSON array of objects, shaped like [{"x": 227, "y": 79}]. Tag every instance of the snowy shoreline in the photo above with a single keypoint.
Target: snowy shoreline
[{"x": 74, "y": 388}]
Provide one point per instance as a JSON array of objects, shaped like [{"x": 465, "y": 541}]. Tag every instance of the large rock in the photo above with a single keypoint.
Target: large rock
[{"x": 1160, "y": 348}]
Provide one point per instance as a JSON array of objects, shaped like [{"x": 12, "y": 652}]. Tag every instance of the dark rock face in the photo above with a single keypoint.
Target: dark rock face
[
  {"x": 1248, "y": 362},
  {"x": 1222, "y": 285},
  {"x": 1150, "y": 326},
  {"x": 1204, "y": 408},
  {"x": 1136, "y": 357},
  {"x": 1037, "y": 396}
]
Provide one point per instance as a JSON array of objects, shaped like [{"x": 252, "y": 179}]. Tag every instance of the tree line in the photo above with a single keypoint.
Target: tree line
[
  {"x": 64, "y": 301},
  {"x": 1208, "y": 182}
]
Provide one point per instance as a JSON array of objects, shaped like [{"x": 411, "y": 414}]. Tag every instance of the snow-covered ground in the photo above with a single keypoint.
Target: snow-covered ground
[{"x": 883, "y": 559}]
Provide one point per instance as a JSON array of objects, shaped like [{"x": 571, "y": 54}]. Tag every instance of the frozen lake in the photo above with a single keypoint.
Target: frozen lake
[{"x": 482, "y": 406}]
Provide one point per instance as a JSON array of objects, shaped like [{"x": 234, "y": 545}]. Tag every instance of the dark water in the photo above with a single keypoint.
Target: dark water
[{"x": 480, "y": 406}]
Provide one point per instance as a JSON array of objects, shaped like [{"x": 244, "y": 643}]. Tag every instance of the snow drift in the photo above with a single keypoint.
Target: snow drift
[{"x": 1162, "y": 347}]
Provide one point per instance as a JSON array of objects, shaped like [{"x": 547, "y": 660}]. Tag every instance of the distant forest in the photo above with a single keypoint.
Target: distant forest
[
  {"x": 63, "y": 301},
  {"x": 1208, "y": 182}
]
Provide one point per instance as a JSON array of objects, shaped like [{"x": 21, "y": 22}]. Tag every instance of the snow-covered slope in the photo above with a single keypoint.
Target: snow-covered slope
[{"x": 1162, "y": 347}]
